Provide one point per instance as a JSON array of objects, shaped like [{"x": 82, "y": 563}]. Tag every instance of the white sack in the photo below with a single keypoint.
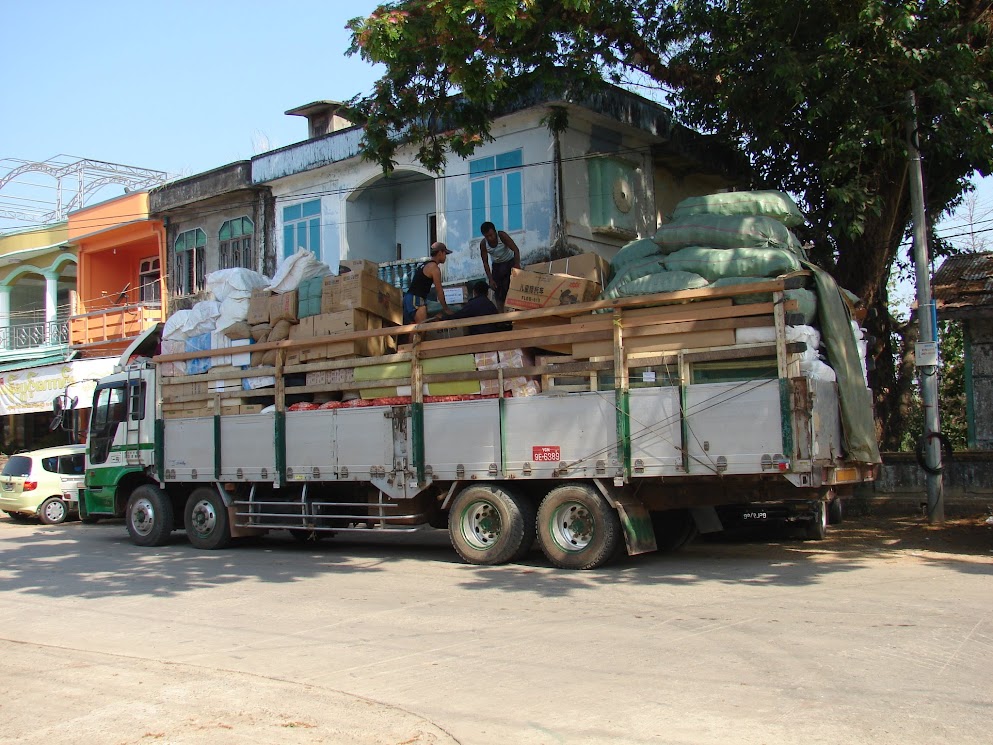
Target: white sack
[
  {"x": 234, "y": 283},
  {"x": 295, "y": 269}
]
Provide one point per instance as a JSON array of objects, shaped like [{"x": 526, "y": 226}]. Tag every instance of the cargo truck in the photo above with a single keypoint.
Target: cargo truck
[{"x": 657, "y": 417}]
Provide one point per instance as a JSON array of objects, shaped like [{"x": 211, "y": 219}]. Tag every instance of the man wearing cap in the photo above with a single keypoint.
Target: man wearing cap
[{"x": 415, "y": 309}]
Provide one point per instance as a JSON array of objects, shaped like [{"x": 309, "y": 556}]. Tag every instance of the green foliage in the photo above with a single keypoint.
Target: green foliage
[{"x": 813, "y": 91}]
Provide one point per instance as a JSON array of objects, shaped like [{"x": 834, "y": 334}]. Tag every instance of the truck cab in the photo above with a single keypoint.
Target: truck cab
[{"x": 121, "y": 439}]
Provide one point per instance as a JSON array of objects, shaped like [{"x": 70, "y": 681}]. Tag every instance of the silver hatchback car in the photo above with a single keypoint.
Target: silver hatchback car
[{"x": 43, "y": 484}]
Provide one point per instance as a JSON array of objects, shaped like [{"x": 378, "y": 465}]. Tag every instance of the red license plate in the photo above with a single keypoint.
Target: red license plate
[{"x": 546, "y": 453}]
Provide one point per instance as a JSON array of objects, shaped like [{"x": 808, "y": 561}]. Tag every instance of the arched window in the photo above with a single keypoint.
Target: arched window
[
  {"x": 236, "y": 244},
  {"x": 191, "y": 250}
]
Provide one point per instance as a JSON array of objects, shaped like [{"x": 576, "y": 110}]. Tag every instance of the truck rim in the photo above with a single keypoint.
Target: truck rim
[
  {"x": 481, "y": 525},
  {"x": 572, "y": 526},
  {"x": 204, "y": 518},
  {"x": 143, "y": 516}
]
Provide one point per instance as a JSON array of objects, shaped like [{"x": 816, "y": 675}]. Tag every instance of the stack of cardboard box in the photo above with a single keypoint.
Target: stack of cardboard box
[{"x": 354, "y": 301}]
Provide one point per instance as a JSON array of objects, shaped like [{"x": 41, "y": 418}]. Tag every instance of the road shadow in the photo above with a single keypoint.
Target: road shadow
[{"x": 99, "y": 560}]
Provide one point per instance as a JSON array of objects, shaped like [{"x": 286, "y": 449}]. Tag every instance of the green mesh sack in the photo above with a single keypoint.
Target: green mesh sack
[
  {"x": 717, "y": 263},
  {"x": 774, "y": 204},
  {"x": 633, "y": 252},
  {"x": 726, "y": 231},
  {"x": 650, "y": 265},
  {"x": 651, "y": 284}
]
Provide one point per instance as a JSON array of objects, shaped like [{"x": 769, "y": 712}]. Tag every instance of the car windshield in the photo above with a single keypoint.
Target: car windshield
[{"x": 18, "y": 465}]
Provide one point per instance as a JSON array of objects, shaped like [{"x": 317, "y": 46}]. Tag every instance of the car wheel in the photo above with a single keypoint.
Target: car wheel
[{"x": 53, "y": 511}]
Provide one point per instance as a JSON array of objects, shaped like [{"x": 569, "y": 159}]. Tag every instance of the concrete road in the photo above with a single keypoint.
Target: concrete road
[{"x": 881, "y": 634}]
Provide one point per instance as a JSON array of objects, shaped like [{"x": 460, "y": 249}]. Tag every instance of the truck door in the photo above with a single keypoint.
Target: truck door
[
  {"x": 135, "y": 416},
  {"x": 109, "y": 412}
]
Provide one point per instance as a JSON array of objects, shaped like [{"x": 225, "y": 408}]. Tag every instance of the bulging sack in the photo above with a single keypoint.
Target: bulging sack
[
  {"x": 651, "y": 284},
  {"x": 726, "y": 231},
  {"x": 777, "y": 205},
  {"x": 717, "y": 263}
]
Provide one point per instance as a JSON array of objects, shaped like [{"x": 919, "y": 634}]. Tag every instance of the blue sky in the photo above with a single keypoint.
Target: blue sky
[
  {"x": 180, "y": 86},
  {"x": 176, "y": 86}
]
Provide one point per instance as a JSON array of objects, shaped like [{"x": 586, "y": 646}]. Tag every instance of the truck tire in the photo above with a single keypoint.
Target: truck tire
[
  {"x": 488, "y": 526},
  {"x": 577, "y": 527},
  {"x": 835, "y": 511},
  {"x": 149, "y": 516},
  {"x": 817, "y": 527},
  {"x": 206, "y": 520},
  {"x": 673, "y": 529},
  {"x": 53, "y": 511}
]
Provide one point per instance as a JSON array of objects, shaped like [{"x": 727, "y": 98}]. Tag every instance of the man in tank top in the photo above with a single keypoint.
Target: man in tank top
[
  {"x": 426, "y": 275},
  {"x": 505, "y": 255}
]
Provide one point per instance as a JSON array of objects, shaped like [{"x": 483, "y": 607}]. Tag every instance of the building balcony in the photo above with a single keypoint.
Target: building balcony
[
  {"x": 112, "y": 329},
  {"x": 25, "y": 336}
]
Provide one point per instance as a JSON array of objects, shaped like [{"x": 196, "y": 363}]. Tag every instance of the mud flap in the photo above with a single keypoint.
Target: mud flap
[{"x": 639, "y": 536}]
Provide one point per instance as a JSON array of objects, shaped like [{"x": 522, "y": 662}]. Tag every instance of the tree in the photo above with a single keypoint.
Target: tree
[{"x": 813, "y": 91}]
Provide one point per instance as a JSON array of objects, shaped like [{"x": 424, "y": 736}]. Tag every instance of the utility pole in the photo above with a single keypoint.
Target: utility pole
[{"x": 926, "y": 353}]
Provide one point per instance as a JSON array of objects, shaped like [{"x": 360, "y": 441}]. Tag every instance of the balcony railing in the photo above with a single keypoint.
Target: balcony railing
[
  {"x": 112, "y": 325},
  {"x": 30, "y": 335},
  {"x": 400, "y": 273}
]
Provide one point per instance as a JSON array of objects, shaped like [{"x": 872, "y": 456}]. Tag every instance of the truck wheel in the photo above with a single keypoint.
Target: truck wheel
[
  {"x": 487, "y": 525},
  {"x": 206, "y": 520},
  {"x": 53, "y": 511},
  {"x": 577, "y": 527},
  {"x": 529, "y": 514},
  {"x": 149, "y": 516},
  {"x": 817, "y": 527},
  {"x": 673, "y": 529},
  {"x": 835, "y": 512}
]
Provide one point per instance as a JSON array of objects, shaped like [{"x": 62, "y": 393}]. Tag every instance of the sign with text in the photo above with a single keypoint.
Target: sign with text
[{"x": 546, "y": 453}]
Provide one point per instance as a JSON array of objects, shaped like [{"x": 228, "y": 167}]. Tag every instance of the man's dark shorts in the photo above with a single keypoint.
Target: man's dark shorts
[{"x": 501, "y": 278}]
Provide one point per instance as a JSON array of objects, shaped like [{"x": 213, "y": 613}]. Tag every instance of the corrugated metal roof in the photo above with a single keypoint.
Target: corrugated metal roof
[{"x": 964, "y": 282}]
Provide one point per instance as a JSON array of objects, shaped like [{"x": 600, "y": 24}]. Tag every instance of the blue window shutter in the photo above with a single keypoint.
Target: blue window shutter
[
  {"x": 515, "y": 202},
  {"x": 291, "y": 213},
  {"x": 315, "y": 238},
  {"x": 478, "y": 204},
  {"x": 310, "y": 209},
  {"x": 288, "y": 240},
  {"x": 496, "y": 201},
  {"x": 301, "y": 241},
  {"x": 513, "y": 159},
  {"x": 480, "y": 166}
]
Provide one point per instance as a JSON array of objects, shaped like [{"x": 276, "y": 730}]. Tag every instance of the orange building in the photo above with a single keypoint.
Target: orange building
[{"x": 120, "y": 288}]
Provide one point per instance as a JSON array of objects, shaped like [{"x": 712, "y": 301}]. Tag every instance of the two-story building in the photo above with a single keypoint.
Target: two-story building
[
  {"x": 213, "y": 220},
  {"x": 38, "y": 269},
  {"x": 119, "y": 285},
  {"x": 610, "y": 176}
]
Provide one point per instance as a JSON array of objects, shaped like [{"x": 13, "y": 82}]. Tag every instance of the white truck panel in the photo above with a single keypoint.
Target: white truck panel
[
  {"x": 463, "y": 433},
  {"x": 581, "y": 426},
  {"x": 247, "y": 444},
  {"x": 739, "y": 421},
  {"x": 655, "y": 431},
  {"x": 189, "y": 448},
  {"x": 365, "y": 441},
  {"x": 311, "y": 444}
]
